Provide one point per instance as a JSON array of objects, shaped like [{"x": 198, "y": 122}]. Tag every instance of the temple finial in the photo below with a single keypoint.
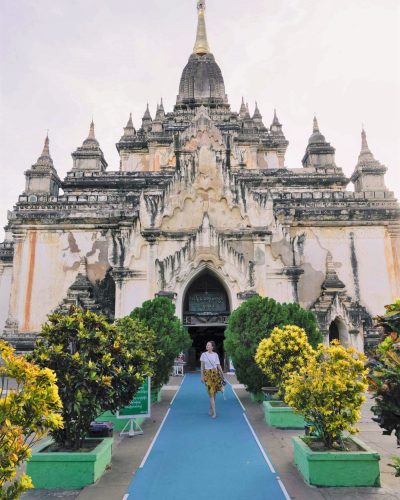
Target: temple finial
[
  {"x": 275, "y": 120},
  {"x": 201, "y": 46},
  {"x": 45, "y": 159},
  {"x": 91, "y": 131},
  {"x": 364, "y": 143},
  {"x": 46, "y": 147},
  {"x": 315, "y": 125},
  {"x": 147, "y": 115}
]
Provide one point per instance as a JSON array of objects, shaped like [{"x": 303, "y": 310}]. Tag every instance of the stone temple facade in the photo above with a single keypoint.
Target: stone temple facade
[{"x": 202, "y": 209}]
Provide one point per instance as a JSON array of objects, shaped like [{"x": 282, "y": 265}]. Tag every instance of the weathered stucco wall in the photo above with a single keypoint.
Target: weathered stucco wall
[
  {"x": 361, "y": 260},
  {"x": 45, "y": 265},
  {"x": 5, "y": 290}
]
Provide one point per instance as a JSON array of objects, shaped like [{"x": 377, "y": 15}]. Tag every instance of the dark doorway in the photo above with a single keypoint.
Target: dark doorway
[
  {"x": 200, "y": 336},
  {"x": 333, "y": 331},
  {"x": 205, "y": 313}
]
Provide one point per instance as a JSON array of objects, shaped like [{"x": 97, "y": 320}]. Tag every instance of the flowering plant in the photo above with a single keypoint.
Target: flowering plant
[
  {"x": 29, "y": 407},
  {"x": 286, "y": 350},
  {"x": 99, "y": 366},
  {"x": 329, "y": 391},
  {"x": 384, "y": 377}
]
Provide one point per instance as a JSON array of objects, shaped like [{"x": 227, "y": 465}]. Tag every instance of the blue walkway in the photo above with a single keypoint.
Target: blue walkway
[{"x": 199, "y": 458}]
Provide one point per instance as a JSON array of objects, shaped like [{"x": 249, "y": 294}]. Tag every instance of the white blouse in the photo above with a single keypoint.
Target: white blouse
[{"x": 210, "y": 360}]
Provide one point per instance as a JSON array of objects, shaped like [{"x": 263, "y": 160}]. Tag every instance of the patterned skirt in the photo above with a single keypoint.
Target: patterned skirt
[{"x": 212, "y": 379}]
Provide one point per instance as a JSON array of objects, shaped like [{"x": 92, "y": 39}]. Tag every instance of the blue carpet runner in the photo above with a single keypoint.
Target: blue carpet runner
[{"x": 199, "y": 458}]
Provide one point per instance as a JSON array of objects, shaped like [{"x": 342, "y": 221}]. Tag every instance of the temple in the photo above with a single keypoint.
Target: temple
[{"x": 202, "y": 208}]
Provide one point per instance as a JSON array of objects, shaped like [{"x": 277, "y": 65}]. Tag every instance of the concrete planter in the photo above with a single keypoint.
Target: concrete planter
[
  {"x": 155, "y": 395},
  {"x": 337, "y": 468},
  {"x": 257, "y": 398},
  {"x": 282, "y": 417},
  {"x": 68, "y": 470}
]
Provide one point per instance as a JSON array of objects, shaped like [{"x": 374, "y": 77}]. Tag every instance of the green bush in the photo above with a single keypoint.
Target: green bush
[
  {"x": 171, "y": 337},
  {"x": 384, "y": 377},
  {"x": 99, "y": 367},
  {"x": 253, "y": 321},
  {"x": 29, "y": 408}
]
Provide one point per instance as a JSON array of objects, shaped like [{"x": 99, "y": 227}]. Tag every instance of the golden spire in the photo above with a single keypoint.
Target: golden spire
[{"x": 201, "y": 46}]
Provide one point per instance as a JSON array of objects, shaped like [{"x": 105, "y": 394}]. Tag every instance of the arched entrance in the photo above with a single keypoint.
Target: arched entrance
[
  {"x": 338, "y": 331},
  {"x": 205, "y": 313}
]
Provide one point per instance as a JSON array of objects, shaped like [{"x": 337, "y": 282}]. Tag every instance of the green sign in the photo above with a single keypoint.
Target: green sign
[{"x": 140, "y": 405}]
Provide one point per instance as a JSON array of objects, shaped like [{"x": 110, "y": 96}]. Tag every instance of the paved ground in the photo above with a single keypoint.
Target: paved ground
[
  {"x": 196, "y": 455},
  {"x": 129, "y": 452}
]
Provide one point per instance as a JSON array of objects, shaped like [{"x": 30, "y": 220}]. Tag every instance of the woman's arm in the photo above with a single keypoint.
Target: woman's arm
[{"x": 202, "y": 371}]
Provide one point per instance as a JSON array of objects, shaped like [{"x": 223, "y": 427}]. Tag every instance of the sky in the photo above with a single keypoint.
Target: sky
[{"x": 63, "y": 62}]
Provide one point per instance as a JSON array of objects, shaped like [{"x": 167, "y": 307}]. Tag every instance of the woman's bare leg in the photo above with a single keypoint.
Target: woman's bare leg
[{"x": 212, "y": 406}]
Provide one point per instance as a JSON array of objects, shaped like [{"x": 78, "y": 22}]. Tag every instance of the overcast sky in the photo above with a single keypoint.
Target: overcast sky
[{"x": 63, "y": 61}]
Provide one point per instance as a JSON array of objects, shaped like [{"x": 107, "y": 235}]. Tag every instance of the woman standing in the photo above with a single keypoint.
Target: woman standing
[{"x": 211, "y": 374}]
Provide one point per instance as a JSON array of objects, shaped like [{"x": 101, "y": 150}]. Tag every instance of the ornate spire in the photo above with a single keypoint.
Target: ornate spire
[
  {"x": 276, "y": 127},
  {"x": 45, "y": 159},
  {"x": 275, "y": 121},
  {"x": 90, "y": 150},
  {"x": 257, "y": 115},
  {"x": 316, "y": 136},
  {"x": 91, "y": 140},
  {"x": 369, "y": 173},
  {"x": 130, "y": 122},
  {"x": 91, "y": 131},
  {"x": 162, "y": 106},
  {"x": 147, "y": 115},
  {"x": 129, "y": 130},
  {"x": 247, "y": 114},
  {"x": 365, "y": 155},
  {"x": 315, "y": 125},
  {"x": 332, "y": 280},
  {"x": 201, "y": 46},
  {"x": 243, "y": 109}
]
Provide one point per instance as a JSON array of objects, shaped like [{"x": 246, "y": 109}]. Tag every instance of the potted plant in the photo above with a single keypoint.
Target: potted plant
[
  {"x": 285, "y": 351},
  {"x": 171, "y": 338},
  {"x": 99, "y": 367},
  {"x": 253, "y": 321},
  {"x": 384, "y": 376},
  {"x": 28, "y": 409},
  {"x": 329, "y": 393}
]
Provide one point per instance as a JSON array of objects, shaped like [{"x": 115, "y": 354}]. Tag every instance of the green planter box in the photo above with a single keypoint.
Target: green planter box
[
  {"x": 257, "y": 398},
  {"x": 337, "y": 468},
  {"x": 51, "y": 470},
  {"x": 155, "y": 395},
  {"x": 119, "y": 423},
  {"x": 282, "y": 417}
]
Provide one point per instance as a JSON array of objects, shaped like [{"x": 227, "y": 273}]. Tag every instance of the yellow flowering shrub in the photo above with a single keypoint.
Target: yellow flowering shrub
[
  {"x": 329, "y": 391},
  {"x": 29, "y": 407},
  {"x": 286, "y": 350}
]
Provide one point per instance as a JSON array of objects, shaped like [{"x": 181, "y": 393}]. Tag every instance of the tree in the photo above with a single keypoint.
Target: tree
[
  {"x": 28, "y": 409},
  {"x": 99, "y": 366},
  {"x": 328, "y": 392},
  {"x": 384, "y": 377},
  {"x": 250, "y": 323},
  {"x": 171, "y": 337},
  {"x": 285, "y": 351}
]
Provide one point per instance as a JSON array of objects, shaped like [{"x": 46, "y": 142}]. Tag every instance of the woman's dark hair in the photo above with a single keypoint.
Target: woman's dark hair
[{"x": 213, "y": 345}]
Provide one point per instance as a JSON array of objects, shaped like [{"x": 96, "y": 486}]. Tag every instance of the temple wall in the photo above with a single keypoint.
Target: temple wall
[
  {"x": 45, "y": 265},
  {"x": 5, "y": 289},
  {"x": 361, "y": 260}
]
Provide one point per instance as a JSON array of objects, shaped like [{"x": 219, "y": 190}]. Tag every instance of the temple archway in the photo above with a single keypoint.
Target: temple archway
[
  {"x": 339, "y": 331},
  {"x": 205, "y": 313}
]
